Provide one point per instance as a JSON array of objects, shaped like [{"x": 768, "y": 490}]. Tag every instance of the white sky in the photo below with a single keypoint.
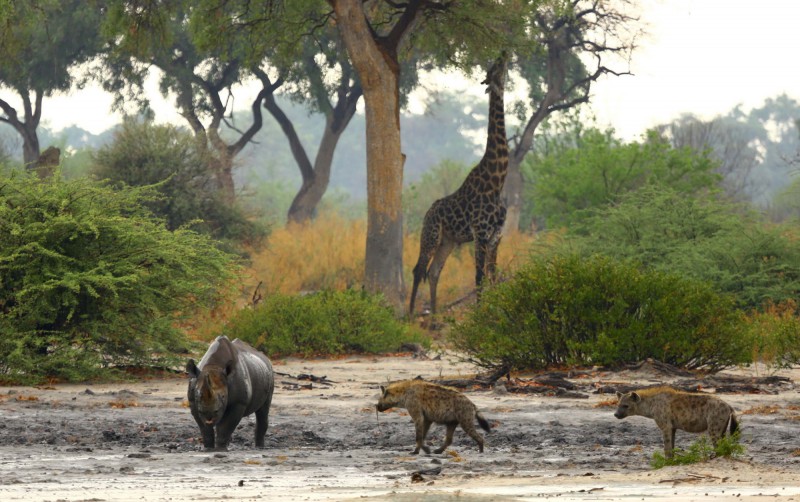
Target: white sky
[{"x": 700, "y": 56}]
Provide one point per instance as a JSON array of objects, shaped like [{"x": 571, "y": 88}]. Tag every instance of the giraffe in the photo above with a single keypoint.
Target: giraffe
[{"x": 474, "y": 212}]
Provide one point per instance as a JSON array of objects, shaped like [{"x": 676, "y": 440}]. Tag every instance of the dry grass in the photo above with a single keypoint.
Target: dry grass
[{"x": 328, "y": 253}]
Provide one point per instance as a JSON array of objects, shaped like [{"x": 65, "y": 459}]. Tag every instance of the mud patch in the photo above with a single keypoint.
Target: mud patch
[{"x": 120, "y": 442}]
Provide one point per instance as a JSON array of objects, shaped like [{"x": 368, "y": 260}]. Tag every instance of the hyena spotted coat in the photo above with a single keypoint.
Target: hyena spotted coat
[
  {"x": 428, "y": 403},
  {"x": 673, "y": 409}
]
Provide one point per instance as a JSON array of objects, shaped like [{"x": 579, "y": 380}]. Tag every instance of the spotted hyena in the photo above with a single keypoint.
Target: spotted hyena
[
  {"x": 673, "y": 409},
  {"x": 429, "y": 403}
]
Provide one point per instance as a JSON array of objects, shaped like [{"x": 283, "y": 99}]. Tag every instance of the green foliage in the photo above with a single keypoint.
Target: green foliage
[
  {"x": 701, "y": 451},
  {"x": 597, "y": 311},
  {"x": 42, "y": 41},
  {"x": 144, "y": 153},
  {"x": 703, "y": 238},
  {"x": 775, "y": 334},
  {"x": 90, "y": 279},
  {"x": 594, "y": 170},
  {"x": 328, "y": 322},
  {"x": 441, "y": 180}
]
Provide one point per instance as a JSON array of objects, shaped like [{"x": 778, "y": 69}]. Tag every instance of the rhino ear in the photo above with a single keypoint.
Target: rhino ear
[
  {"x": 191, "y": 369},
  {"x": 229, "y": 368}
]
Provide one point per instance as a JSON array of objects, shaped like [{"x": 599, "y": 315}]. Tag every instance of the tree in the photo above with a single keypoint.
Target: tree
[
  {"x": 573, "y": 41},
  {"x": 41, "y": 44},
  {"x": 199, "y": 76},
  {"x": 731, "y": 142},
  {"x": 143, "y": 153},
  {"x": 374, "y": 38},
  {"x": 378, "y": 37},
  {"x": 322, "y": 78}
]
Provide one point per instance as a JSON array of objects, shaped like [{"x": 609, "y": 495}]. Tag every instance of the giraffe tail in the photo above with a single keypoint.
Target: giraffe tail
[{"x": 420, "y": 275}]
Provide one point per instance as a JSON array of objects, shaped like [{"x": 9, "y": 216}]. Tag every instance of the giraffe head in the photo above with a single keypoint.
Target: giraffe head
[{"x": 496, "y": 76}]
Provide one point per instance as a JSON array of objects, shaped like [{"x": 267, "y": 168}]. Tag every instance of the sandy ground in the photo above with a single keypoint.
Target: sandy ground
[{"x": 137, "y": 441}]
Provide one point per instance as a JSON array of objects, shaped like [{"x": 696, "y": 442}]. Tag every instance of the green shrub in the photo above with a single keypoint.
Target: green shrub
[
  {"x": 144, "y": 153},
  {"x": 704, "y": 238},
  {"x": 328, "y": 322},
  {"x": 701, "y": 451},
  {"x": 574, "y": 311},
  {"x": 774, "y": 334},
  {"x": 90, "y": 279}
]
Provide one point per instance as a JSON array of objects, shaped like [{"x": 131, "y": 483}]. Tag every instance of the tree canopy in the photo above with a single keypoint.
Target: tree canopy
[{"x": 41, "y": 46}]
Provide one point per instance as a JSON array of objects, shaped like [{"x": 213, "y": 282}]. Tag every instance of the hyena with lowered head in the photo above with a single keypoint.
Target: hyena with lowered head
[
  {"x": 673, "y": 409},
  {"x": 429, "y": 403}
]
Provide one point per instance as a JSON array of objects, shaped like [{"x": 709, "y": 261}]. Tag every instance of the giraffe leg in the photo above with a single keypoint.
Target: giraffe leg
[
  {"x": 481, "y": 253},
  {"x": 444, "y": 250},
  {"x": 491, "y": 258},
  {"x": 429, "y": 242}
]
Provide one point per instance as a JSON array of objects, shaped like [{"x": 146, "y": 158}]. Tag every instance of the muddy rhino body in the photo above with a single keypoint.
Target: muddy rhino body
[
  {"x": 232, "y": 381},
  {"x": 672, "y": 409}
]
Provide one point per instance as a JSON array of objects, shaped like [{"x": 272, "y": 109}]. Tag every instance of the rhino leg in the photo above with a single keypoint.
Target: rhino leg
[
  {"x": 207, "y": 431},
  {"x": 226, "y": 426},
  {"x": 262, "y": 423}
]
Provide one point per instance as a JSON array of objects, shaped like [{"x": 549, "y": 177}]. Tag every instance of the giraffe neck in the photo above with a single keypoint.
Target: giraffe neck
[{"x": 495, "y": 159}]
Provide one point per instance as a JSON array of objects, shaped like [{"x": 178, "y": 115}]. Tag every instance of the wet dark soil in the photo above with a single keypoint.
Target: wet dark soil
[{"x": 115, "y": 441}]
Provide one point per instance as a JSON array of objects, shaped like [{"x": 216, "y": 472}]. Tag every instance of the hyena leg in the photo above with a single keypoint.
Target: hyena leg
[
  {"x": 448, "y": 439},
  {"x": 669, "y": 440},
  {"x": 422, "y": 425},
  {"x": 470, "y": 429}
]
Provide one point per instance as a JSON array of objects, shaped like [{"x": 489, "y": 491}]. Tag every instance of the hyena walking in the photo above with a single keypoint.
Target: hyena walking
[
  {"x": 429, "y": 403},
  {"x": 673, "y": 409}
]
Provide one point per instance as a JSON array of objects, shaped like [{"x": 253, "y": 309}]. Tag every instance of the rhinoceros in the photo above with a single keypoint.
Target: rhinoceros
[{"x": 232, "y": 381}]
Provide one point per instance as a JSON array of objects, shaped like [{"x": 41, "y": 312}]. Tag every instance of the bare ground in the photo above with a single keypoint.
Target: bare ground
[{"x": 137, "y": 441}]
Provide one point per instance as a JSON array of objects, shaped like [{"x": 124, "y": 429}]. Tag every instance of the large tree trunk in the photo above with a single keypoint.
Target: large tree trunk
[
  {"x": 379, "y": 75},
  {"x": 512, "y": 192},
  {"x": 27, "y": 126}
]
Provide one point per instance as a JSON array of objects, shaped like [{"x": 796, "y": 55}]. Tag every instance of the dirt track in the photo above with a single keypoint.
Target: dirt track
[{"x": 137, "y": 441}]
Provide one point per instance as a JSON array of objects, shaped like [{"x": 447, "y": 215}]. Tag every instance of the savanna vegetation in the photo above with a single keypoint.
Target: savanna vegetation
[{"x": 150, "y": 244}]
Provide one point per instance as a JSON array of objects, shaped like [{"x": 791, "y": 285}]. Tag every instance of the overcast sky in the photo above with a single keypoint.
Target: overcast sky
[{"x": 700, "y": 56}]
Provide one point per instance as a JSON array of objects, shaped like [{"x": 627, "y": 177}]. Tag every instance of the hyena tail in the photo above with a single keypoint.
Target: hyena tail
[
  {"x": 733, "y": 423},
  {"x": 483, "y": 422}
]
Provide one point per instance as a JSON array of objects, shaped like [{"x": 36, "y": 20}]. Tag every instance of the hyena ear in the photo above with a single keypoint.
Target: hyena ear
[
  {"x": 619, "y": 395},
  {"x": 636, "y": 397},
  {"x": 383, "y": 389}
]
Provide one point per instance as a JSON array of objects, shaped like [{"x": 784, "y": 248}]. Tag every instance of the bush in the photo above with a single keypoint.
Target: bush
[
  {"x": 774, "y": 334},
  {"x": 327, "y": 322},
  {"x": 701, "y": 451},
  {"x": 596, "y": 311},
  {"x": 90, "y": 279},
  {"x": 144, "y": 153},
  {"x": 704, "y": 238},
  {"x": 590, "y": 169}
]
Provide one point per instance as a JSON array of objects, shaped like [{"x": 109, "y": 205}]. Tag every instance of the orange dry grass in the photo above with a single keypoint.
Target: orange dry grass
[{"x": 328, "y": 253}]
